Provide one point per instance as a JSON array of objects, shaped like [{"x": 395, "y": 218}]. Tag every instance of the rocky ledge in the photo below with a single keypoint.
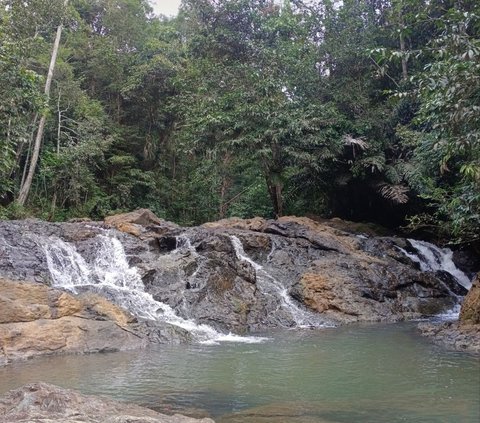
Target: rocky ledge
[
  {"x": 235, "y": 275},
  {"x": 39, "y": 320},
  {"x": 43, "y": 403},
  {"x": 463, "y": 335}
]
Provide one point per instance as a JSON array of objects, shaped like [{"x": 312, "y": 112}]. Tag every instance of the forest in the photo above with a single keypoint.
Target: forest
[{"x": 367, "y": 110}]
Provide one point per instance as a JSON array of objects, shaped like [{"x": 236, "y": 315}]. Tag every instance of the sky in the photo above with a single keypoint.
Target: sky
[{"x": 165, "y": 7}]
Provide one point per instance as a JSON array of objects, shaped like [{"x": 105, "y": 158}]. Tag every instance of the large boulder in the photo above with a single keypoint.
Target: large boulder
[
  {"x": 44, "y": 403},
  {"x": 343, "y": 276},
  {"x": 142, "y": 223},
  {"x": 38, "y": 320},
  {"x": 470, "y": 311}
]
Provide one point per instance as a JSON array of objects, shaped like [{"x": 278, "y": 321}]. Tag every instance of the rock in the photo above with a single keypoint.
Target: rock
[
  {"x": 142, "y": 217},
  {"x": 44, "y": 403},
  {"x": 468, "y": 260},
  {"x": 352, "y": 289},
  {"x": 38, "y": 320},
  {"x": 463, "y": 335},
  {"x": 292, "y": 265},
  {"x": 453, "y": 335},
  {"x": 141, "y": 223},
  {"x": 25, "y": 302},
  {"x": 69, "y": 334},
  {"x": 470, "y": 311},
  {"x": 22, "y": 255}
]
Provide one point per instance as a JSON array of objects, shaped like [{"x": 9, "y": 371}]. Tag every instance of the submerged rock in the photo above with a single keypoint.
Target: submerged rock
[
  {"x": 453, "y": 335},
  {"x": 41, "y": 402}
]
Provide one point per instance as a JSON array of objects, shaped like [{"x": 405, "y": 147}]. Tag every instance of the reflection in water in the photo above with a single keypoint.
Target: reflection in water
[{"x": 355, "y": 374}]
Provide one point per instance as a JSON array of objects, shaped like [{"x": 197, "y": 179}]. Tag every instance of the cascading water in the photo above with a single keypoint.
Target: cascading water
[
  {"x": 111, "y": 275},
  {"x": 432, "y": 258},
  {"x": 271, "y": 286}
]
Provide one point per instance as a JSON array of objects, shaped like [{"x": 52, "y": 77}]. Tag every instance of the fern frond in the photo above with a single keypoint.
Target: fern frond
[
  {"x": 395, "y": 193},
  {"x": 359, "y": 142}
]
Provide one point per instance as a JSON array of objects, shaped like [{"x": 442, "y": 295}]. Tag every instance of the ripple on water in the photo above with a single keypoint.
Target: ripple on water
[{"x": 354, "y": 374}]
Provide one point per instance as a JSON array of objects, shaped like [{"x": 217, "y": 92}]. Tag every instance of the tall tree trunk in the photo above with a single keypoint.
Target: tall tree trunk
[
  {"x": 25, "y": 188},
  {"x": 275, "y": 187}
]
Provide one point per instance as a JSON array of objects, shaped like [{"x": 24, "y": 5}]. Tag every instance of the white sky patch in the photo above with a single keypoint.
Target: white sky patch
[{"x": 165, "y": 7}]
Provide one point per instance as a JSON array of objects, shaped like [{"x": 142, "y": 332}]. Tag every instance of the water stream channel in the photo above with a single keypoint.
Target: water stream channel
[
  {"x": 360, "y": 373},
  {"x": 376, "y": 373}
]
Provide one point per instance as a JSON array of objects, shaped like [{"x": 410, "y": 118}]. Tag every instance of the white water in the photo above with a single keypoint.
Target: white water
[
  {"x": 111, "y": 272},
  {"x": 432, "y": 258},
  {"x": 301, "y": 317}
]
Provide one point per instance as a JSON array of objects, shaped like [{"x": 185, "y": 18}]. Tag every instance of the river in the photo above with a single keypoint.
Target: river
[{"x": 354, "y": 374}]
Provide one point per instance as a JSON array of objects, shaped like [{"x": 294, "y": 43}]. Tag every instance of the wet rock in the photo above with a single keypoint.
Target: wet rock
[
  {"x": 353, "y": 289},
  {"x": 41, "y": 402},
  {"x": 453, "y": 335},
  {"x": 464, "y": 334},
  {"x": 38, "y": 320},
  {"x": 291, "y": 265},
  {"x": 467, "y": 260}
]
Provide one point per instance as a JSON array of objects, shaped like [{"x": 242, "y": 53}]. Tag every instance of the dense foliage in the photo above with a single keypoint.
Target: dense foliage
[{"x": 367, "y": 110}]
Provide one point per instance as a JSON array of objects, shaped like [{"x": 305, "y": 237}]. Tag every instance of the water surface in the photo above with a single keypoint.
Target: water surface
[{"x": 354, "y": 374}]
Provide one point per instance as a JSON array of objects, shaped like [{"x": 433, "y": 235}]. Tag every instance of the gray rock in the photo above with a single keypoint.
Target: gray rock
[
  {"x": 453, "y": 335},
  {"x": 44, "y": 403},
  {"x": 336, "y": 274}
]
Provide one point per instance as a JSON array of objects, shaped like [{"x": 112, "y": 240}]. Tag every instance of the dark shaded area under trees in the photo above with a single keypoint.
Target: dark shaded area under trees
[{"x": 366, "y": 111}]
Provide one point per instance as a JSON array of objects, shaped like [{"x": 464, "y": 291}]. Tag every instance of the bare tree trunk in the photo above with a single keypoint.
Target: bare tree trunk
[
  {"x": 275, "y": 188},
  {"x": 25, "y": 188}
]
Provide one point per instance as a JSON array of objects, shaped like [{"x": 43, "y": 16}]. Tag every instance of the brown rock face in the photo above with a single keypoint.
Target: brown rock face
[
  {"x": 40, "y": 402},
  {"x": 25, "y": 302},
  {"x": 38, "y": 320},
  {"x": 257, "y": 224},
  {"x": 142, "y": 223},
  {"x": 470, "y": 311}
]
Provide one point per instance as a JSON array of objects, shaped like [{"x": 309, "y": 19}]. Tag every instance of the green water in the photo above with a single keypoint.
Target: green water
[{"x": 355, "y": 374}]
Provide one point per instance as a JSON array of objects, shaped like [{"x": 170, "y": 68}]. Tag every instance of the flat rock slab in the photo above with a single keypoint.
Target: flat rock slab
[{"x": 44, "y": 403}]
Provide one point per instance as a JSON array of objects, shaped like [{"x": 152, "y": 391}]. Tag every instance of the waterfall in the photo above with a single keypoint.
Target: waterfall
[
  {"x": 111, "y": 275},
  {"x": 271, "y": 286},
  {"x": 432, "y": 258}
]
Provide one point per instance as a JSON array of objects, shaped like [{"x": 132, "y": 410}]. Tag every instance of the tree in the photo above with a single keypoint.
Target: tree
[
  {"x": 448, "y": 91},
  {"x": 26, "y": 185}
]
